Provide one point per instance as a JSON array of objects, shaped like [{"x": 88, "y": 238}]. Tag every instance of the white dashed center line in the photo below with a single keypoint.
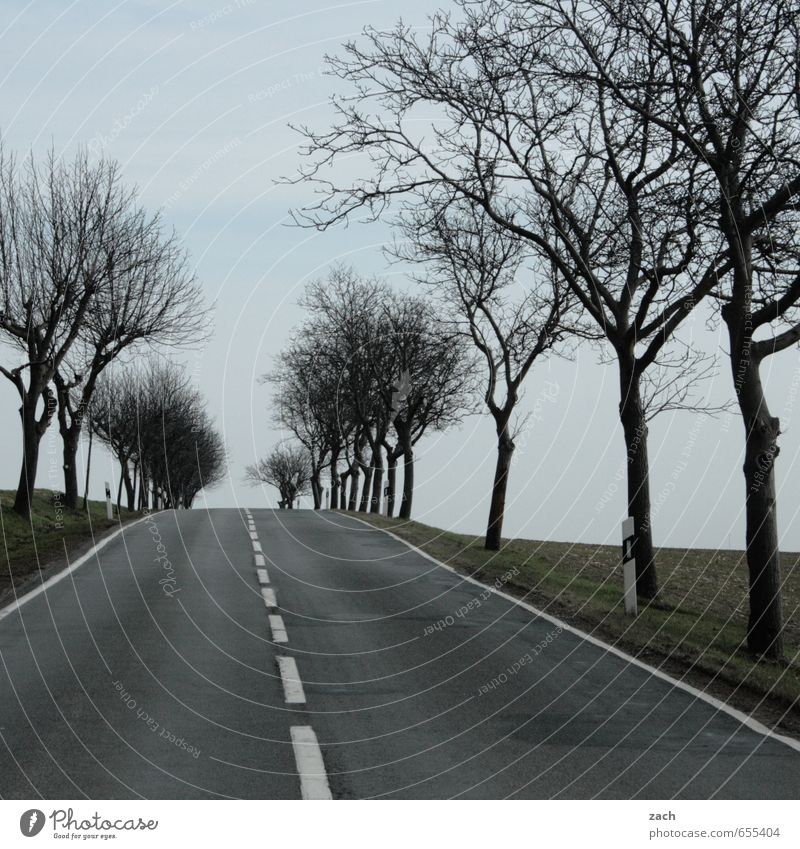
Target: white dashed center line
[
  {"x": 278, "y": 629},
  {"x": 292, "y": 685},
  {"x": 307, "y": 752},
  {"x": 310, "y": 766}
]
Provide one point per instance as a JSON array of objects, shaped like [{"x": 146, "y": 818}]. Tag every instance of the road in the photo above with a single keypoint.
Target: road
[{"x": 276, "y": 654}]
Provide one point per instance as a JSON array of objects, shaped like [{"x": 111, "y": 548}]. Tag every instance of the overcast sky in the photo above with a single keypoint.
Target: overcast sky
[{"x": 193, "y": 99}]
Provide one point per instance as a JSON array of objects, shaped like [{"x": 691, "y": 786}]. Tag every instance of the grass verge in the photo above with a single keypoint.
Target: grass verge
[
  {"x": 35, "y": 549},
  {"x": 695, "y": 630}
]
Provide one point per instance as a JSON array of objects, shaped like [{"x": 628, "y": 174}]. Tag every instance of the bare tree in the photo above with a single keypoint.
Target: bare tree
[
  {"x": 155, "y": 422},
  {"x": 112, "y": 417},
  {"x": 342, "y": 310},
  {"x": 376, "y": 335},
  {"x": 727, "y": 98},
  {"x": 195, "y": 456},
  {"x": 305, "y": 399},
  {"x": 476, "y": 266},
  {"x": 148, "y": 295},
  {"x": 601, "y": 194},
  {"x": 56, "y": 226},
  {"x": 288, "y": 468},
  {"x": 439, "y": 376}
]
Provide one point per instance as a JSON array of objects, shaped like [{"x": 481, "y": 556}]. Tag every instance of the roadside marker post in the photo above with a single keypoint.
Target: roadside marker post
[
  {"x": 109, "y": 509},
  {"x": 629, "y": 566}
]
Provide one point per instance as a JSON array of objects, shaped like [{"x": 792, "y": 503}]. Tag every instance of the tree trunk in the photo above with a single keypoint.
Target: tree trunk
[
  {"x": 352, "y": 502},
  {"x": 31, "y": 438},
  {"x": 634, "y": 425},
  {"x": 70, "y": 439},
  {"x": 505, "y": 451},
  {"x": 765, "y": 624},
  {"x": 132, "y": 491},
  {"x": 316, "y": 490},
  {"x": 377, "y": 480},
  {"x": 334, "y": 502},
  {"x": 70, "y": 424},
  {"x": 130, "y": 486},
  {"x": 366, "y": 489},
  {"x": 408, "y": 481},
  {"x": 334, "y": 499},
  {"x": 144, "y": 494},
  {"x": 391, "y": 481},
  {"x": 343, "y": 490}
]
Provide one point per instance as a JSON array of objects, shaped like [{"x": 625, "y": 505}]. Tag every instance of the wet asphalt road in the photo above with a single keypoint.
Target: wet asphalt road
[{"x": 151, "y": 671}]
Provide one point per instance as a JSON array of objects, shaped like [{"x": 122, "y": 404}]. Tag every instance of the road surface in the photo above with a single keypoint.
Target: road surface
[{"x": 279, "y": 654}]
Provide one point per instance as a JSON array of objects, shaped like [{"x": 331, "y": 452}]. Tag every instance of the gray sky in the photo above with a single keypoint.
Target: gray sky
[{"x": 193, "y": 98}]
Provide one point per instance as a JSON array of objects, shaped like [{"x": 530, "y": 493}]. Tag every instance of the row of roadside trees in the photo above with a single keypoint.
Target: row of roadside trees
[
  {"x": 155, "y": 424},
  {"x": 90, "y": 278},
  {"x": 639, "y": 159},
  {"x": 362, "y": 380}
]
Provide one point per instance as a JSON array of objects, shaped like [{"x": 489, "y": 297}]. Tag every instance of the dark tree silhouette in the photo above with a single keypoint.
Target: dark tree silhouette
[
  {"x": 476, "y": 267},
  {"x": 153, "y": 420},
  {"x": 305, "y": 402},
  {"x": 57, "y": 224},
  {"x": 375, "y": 335},
  {"x": 149, "y": 296},
  {"x": 724, "y": 91},
  {"x": 288, "y": 468},
  {"x": 599, "y": 192}
]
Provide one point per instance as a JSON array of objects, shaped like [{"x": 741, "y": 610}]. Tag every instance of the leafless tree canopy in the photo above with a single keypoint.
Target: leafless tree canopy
[
  {"x": 288, "y": 468},
  {"x": 85, "y": 274},
  {"x": 157, "y": 426},
  {"x": 647, "y": 149},
  {"x": 342, "y": 372},
  {"x": 509, "y": 304},
  {"x": 728, "y": 101}
]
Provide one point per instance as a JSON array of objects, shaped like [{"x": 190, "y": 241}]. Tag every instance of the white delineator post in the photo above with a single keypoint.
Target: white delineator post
[
  {"x": 629, "y": 566},
  {"x": 109, "y": 509}
]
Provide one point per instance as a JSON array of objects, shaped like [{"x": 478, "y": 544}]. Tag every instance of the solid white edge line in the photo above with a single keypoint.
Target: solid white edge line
[
  {"x": 24, "y": 599},
  {"x": 292, "y": 685},
  {"x": 269, "y": 596},
  {"x": 257, "y": 546},
  {"x": 278, "y": 629},
  {"x": 740, "y": 716},
  {"x": 259, "y": 558},
  {"x": 263, "y": 577},
  {"x": 310, "y": 764}
]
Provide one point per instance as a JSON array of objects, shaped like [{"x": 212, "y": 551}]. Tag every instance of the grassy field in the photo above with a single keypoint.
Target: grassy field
[
  {"x": 52, "y": 529},
  {"x": 696, "y": 627}
]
